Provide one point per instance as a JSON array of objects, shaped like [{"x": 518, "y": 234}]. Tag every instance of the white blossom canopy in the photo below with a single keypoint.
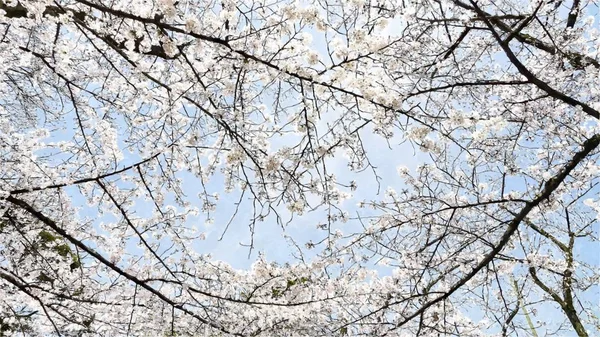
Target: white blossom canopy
[{"x": 271, "y": 111}]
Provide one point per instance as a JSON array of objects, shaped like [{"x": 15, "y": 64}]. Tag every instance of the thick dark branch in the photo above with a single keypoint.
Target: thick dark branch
[
  {"x": 19, "y": 11},
  {"x": 84, "y": 180},
  {"x": 522, "y": 25},
  {"x": 544, "y": 287},
  {"x": 242, "y": 53},
  {"x": 530, "y": 76},
  {"x": 573, "y": 14},
  {"x": 455, "y": 45},
  {"x": 55, "y": 227},
  {"x": 566, "y": 305},
  {"x": 577, "y": 60},
  {"x": 547, "y": 235},
  {"x": 512, "y": 226}
]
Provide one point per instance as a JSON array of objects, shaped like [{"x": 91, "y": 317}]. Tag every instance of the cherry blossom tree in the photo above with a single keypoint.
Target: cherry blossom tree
[{"x": 111, "y": 110}]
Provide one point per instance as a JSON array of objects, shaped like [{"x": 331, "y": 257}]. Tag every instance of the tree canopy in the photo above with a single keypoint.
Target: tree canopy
[{"x": 449, "y": 150}]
